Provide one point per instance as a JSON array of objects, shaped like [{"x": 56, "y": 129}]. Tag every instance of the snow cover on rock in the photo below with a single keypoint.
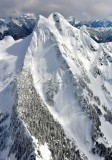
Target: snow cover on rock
[
  {"x": 3, "y": 28},
  {"x": 17, "y": 27},
  {"x": 11, "y": 60},
  {"x": 99, "y": 30},
  {"x": 72, "y": 77}
]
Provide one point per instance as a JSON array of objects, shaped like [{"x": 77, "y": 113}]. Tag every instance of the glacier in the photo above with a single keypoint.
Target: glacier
[{"x": 55, "y": 94}]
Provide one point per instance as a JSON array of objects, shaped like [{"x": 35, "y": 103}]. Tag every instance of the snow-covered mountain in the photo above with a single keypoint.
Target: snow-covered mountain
[
  {"x": 99, "y": 30},
  {"x": 91, "y": 23},
  {"x": 17, "y": 27},
  {"x": 55, "y": 94},
  {"x": 100, "y": 35},
  {"x": 21, "y": 27}
]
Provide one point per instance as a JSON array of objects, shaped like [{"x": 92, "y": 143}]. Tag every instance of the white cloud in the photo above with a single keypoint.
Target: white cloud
[{"x": 82, "y": 9}]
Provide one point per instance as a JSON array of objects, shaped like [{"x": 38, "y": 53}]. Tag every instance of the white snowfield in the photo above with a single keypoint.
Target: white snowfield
[{"x": 57, "y": 55}]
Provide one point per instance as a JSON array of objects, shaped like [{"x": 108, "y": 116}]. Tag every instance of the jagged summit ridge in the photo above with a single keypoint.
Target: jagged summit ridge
[
  {"x": 63, "y": 56},
  {"x": 21, "y": 27},
  {"x": 62, "y": 95}
]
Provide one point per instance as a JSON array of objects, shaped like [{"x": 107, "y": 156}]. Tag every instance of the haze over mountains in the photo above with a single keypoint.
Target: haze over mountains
[{"x": 55, "y": 89}]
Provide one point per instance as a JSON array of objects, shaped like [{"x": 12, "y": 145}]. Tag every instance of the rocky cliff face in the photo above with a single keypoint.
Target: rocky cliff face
[{"x": 60, "y": 93}]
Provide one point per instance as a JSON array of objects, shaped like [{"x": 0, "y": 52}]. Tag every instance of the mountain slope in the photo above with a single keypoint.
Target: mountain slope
[
  {"x": 100, "y": 35},
  {"x": 17, "y": 27},
  {"x": 62, "y": 98},
  {"x": 99, "y": 30}
]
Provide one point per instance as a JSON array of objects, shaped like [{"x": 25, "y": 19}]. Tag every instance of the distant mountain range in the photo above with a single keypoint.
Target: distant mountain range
[
  {"x": 21, "y": 27},
  {"x": 91, "y": 23},
  {"x": 99, "y": 30},
  {"x": 17, "y": 27}
]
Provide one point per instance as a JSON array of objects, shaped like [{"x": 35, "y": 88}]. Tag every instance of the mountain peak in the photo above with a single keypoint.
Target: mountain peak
[{"x": 55, "y": 94}]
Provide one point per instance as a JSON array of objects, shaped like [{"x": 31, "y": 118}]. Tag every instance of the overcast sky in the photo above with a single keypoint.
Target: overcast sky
[{"x": 81, "y": 9}]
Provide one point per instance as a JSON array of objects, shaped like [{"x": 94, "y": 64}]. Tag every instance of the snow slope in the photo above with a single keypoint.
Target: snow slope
[
  {"x": 72, "y": 77},
  {"x": 60, "y": 56},
  {"x": 11, "y": 60},
  {"x": 49, "y": 70}
]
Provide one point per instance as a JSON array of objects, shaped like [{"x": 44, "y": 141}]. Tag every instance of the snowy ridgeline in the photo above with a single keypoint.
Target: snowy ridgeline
[
  {"x": 60, "y": 102},
  {"x": 31, "y": 111},
  {"x": 99, "y": 30},
  {"x": 21, "y": 27},
  {"x": 69, "y": 72}
]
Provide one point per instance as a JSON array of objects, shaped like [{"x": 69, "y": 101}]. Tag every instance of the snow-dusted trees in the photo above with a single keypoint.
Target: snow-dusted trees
[
  {"x": 85, "y": 97},
  {"x": 30, "y": 109},
  {"x": 4, "y": 134}
]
